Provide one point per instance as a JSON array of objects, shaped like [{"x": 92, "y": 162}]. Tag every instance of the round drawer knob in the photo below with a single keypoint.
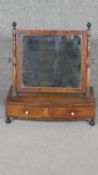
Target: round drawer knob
[
  {"x": 26, "y": 112},
  {"x": 72, "y": 113}
]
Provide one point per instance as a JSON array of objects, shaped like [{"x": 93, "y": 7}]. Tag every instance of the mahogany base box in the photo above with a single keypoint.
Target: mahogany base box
[{"x": 51, "y": 106}]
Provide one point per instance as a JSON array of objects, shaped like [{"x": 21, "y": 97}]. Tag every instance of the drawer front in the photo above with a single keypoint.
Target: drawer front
[
  {"x": 72, "y": 113},
  {"x": 27, "y": 111},
  {"x": 53, "y": 113}
]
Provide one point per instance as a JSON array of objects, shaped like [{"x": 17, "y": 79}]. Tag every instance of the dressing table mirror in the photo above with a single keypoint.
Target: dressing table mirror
[{"x": 50, "y": 75}]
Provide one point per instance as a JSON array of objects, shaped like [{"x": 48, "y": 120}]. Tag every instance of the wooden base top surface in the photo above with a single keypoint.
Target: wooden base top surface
[{"x": 52, "y": 99}]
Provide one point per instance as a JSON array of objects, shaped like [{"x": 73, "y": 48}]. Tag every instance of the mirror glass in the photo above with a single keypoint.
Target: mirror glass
[{"x": 51, "y": 61}]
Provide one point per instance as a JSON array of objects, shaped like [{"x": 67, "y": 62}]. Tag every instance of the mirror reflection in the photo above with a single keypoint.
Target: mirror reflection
[{"x": 51, "y": 61}]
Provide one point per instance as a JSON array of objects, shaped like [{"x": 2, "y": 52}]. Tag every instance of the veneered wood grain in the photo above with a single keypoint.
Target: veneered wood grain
[
  {"x": 20, "y": 110},
  {"x": 79, "y": 112},
  {"x": 51, "y": 106}
]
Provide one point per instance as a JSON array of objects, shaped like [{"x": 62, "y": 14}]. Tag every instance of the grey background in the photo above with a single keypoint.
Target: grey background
[{"x": 50, "y": 148}]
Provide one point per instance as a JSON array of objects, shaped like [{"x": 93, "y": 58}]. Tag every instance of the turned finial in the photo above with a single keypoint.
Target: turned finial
[
  {"x": 14, "y": 24},
  {"x": 89, "y": 25}
]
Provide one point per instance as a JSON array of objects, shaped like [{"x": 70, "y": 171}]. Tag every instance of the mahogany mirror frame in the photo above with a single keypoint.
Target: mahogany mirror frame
[{"x": 17, "y": 64}]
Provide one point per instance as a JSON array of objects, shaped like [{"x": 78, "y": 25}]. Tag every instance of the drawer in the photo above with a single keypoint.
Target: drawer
[
  {"x": 27, "y": 111},
  {"x": 53, "y": 113},
  {"x": 72, "y": 112}
]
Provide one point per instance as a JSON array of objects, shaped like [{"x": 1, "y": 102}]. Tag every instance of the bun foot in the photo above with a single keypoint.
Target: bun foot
[
  {"x": 8, "y": 120},
  {"x": 92, "y": 122}
]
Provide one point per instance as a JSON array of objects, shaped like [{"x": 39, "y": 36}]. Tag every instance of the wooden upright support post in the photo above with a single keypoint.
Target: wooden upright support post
[
  {"x": 88, "y": 55},
  {"x": 14, "y": 57}
]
